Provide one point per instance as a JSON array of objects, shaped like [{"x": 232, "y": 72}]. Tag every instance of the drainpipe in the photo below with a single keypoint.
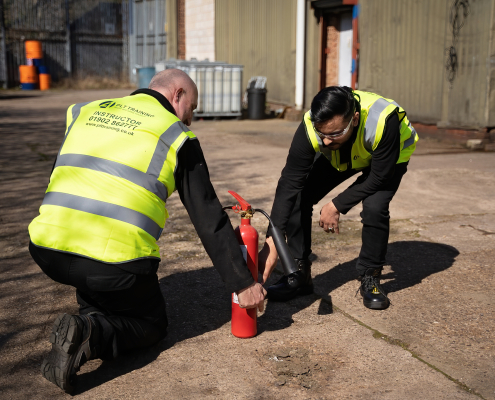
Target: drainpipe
[
  {"x": 300, "y": 42},
  {"x": 3, "y": 56}
]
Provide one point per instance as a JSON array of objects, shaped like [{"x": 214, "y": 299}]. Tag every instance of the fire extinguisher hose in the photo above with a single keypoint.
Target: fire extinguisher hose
[{"x": 288, "y": 263}]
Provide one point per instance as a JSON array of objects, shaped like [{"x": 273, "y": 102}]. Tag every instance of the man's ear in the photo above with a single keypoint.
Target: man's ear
[
  {"x": 178, "y": 94},
  {"x": 356, "y": 122}
]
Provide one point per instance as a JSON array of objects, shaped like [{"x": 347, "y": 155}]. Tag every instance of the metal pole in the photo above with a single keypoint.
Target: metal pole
[
  {"x": 158, "y": 26},
  {"x": 125, "y": 38},
  {"x": 68, "y": 47},
  {"x": 4, "y": 49},
  {"x": 133, "y": 56},
  {"x": 300, "y": 42},
  {"x": 145, "y": 33},
  {"x": 355, "y": 46}
]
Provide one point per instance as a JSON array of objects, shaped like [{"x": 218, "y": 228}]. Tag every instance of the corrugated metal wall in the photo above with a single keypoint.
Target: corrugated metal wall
[
  {"x": 261, "y": 35},
  {"x": 79, "y": 39},
  {"x": 468, "y": 97},
  {"x": 147, "y": 33},
  {"x": 403, "y": 56},
  {"x": 98, "y": 34},
  {"x": 402, "y": 53}
]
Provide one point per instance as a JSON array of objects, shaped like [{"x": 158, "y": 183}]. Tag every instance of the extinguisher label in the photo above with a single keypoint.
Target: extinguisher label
[{"x": 243, "y": 247}]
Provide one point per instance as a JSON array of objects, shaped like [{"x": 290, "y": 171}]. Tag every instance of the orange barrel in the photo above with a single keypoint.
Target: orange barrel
[
  {"x": 33, "y": 49},
  {"x": 29, "y": 77},
  {"x": 45, "y": 80}
]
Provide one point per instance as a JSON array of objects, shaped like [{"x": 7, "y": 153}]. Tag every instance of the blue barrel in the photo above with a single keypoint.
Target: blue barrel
[
  {"x": 43, "y": 69},
  {"x": 29, "y": 86},
  {"x": 144, "y": 76}
]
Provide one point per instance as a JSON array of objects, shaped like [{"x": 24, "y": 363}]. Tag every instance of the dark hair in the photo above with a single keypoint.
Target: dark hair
[{"x": 332, "y": 101}]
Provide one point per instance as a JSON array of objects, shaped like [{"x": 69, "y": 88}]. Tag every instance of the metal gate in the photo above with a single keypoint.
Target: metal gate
[
  {"x": 79, "y": 38},
  {"x": 147, "y": 34}
]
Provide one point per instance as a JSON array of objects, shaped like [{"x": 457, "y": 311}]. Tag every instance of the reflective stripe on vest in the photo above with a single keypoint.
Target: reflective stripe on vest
[
  {"x": 372, "y": 123},
  {"x": 148, "y": 180},
  {"x": 75, "y": 111},
  {"x": 412, "y": 139},
  {"x": 103, "y": 209}
]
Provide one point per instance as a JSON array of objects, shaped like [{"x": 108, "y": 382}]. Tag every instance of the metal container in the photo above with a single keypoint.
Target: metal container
[{"x": 219, "y": 85}]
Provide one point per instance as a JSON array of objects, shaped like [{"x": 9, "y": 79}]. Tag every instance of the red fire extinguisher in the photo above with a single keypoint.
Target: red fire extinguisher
[{"x": 244, "y": 320}]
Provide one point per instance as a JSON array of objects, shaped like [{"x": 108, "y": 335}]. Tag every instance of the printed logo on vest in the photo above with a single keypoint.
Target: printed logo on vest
[
  {"x": 107, "y": 104},
  {"x": 356, "y": 157}
]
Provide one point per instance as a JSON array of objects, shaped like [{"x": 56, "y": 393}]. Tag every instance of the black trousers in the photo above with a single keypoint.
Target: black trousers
[
  {"x": 375, "y": 216},
  {"x": 129, "y": 308}
]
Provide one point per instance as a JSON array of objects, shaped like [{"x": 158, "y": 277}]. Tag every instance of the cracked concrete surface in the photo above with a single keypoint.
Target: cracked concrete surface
[{"x": 434, "y": 342}]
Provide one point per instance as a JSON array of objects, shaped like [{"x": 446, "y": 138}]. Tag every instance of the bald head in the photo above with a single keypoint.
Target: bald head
[
  {"x": 179, "y": 89},
  {"x": 169, "y": 80}
]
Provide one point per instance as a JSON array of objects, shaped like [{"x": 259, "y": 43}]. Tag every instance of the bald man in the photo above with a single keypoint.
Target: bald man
[{"x": 104, "y": 211}]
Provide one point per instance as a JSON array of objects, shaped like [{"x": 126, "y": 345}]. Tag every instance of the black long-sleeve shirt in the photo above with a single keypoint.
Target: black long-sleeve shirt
[
  {"x": 212, "y": 224},
  {"x": 300, "y": 160}
]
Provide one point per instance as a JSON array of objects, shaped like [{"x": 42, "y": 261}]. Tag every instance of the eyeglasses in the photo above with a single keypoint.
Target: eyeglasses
[{"x": 334, "y": 135}]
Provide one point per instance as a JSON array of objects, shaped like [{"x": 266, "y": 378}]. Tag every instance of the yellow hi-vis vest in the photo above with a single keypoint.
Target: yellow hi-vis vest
[
  {"x": 113, "y": 174},
  {"x": 375, "y": 111}
]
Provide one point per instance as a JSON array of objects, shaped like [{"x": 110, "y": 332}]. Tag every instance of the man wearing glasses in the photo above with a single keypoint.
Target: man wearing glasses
[{"x": 345, "y": 133}]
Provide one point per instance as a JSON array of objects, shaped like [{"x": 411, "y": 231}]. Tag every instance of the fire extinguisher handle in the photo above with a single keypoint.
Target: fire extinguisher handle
[{"x": 288, "y": 263}]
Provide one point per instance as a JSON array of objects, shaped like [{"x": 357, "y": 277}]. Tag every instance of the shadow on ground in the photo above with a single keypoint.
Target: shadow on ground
[
  {"x": 411, "y": 262},
  {"x": 196, "y": 304}
]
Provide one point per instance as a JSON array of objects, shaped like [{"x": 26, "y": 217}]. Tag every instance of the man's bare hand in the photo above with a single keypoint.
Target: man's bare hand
[
  {"x": 267, "y": 259},
  {"x": 251, "y": 297},
  {"x": 329, "y": 218}
]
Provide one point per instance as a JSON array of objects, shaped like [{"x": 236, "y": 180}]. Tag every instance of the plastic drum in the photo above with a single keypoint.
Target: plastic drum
[
  {"x": 33, "y": 49},
  {"x": 28, "y": 77}
]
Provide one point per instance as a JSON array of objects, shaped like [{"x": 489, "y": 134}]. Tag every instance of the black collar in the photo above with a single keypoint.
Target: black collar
[{"x": 160, "y": 97}]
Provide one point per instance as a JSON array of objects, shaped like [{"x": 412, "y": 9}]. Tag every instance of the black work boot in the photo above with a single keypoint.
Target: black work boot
[
  {"x": 71, "y": 348},
  {"x": 374, "y": 296},
  {"x": 296, "y": 284}
]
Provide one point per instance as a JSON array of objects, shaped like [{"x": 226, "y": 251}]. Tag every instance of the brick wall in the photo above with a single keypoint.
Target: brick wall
[
  {"x": 332, "y": 50},
  {"x": 200, "y": 29},
  {"x": 181, "y": 30}
]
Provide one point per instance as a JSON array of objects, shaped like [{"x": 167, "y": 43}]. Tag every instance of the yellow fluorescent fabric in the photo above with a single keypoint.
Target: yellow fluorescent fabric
[
  {"x": 100, "y": 133},
  {"x": 375, "y": 110},
  {"x": 75, "y": 231},
  {"x": 114, "y": 172},
  {"x": 79, "y": 182}
]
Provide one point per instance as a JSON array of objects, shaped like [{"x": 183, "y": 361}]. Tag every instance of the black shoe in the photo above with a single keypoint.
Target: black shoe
[
  {"x": 298, "y": 283},
  {"x": 70, "y": 350},
  {"x": 374, "y": 296}
]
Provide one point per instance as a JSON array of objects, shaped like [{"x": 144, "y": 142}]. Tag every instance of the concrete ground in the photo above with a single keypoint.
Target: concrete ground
[{"x": 436, "y": 341}]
